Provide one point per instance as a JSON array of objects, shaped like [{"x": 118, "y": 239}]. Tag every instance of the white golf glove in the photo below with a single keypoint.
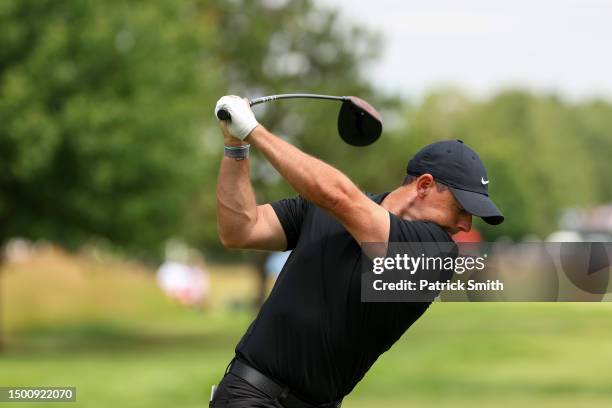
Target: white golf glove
[{"x": 243, "y": 120}]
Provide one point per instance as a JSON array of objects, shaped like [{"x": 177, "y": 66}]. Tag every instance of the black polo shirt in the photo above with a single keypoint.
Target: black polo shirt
[{"x": 313, "y": 334}]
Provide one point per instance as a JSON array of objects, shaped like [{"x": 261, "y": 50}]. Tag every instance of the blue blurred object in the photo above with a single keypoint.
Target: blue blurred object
[{"x": 275, "y": 263}]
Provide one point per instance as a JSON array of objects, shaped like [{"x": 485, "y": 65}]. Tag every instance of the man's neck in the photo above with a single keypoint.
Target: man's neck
[{"x": 401, "y": 203}]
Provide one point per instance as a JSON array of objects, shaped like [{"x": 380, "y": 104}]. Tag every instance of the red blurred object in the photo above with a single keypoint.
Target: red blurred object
[{"x": 471, "y": 236}]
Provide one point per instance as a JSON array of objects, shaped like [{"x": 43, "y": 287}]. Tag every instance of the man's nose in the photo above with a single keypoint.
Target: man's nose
[{"x": 464, "y": 223}]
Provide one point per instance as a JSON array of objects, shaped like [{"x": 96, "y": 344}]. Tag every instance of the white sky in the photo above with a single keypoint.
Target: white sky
[{"x": 482, "y": 46}]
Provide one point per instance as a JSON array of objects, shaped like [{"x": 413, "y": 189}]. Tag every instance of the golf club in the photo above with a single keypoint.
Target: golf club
[{"x": 359, "y": 124}]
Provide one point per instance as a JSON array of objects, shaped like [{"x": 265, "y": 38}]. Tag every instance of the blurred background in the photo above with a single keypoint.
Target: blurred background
[{"x": 112, "y": 278}]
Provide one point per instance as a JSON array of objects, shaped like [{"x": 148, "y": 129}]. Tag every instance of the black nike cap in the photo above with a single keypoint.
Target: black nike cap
[{"x": 456, "y": 165}]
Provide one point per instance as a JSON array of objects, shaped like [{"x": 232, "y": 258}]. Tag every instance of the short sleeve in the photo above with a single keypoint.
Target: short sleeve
[
  {"x": 415, "y": 231},
  {"x": 291, "y": 213}
]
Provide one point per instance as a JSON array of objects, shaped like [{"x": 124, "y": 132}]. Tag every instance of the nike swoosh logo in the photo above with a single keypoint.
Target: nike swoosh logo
[{"x": 483, "y": 181}]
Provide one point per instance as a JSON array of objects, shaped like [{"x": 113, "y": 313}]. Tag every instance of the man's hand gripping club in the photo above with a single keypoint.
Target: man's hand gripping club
[{"x": 243, "y": 119}]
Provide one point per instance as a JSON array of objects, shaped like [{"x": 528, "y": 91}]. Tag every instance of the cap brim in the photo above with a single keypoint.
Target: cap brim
[{"x": 479, "y": 205}]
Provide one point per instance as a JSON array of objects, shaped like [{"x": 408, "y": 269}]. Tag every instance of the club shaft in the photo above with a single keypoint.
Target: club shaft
[
  {"x": 224, "y": 115},
  {"x": 263, "y": 99}
]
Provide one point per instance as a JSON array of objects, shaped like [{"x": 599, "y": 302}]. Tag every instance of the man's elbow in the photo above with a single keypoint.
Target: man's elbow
[{"x": 231, "y": 241}]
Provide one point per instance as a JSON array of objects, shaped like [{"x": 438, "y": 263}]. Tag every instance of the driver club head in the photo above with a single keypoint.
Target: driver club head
[{"x": 359, "y": 124}]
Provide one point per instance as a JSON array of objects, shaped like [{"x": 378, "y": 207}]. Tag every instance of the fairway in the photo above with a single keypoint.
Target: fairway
[{"x": 123, "y": 344}]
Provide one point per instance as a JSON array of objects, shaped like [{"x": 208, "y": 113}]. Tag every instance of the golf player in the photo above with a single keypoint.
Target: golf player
[{"x": 313, "y": 339}]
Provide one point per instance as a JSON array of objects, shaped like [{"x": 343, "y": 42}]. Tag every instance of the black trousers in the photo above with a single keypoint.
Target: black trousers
[{"x": 234, "y": 392}]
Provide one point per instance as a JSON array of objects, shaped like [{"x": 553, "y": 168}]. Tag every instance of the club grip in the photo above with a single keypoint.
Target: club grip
[{"x": 222, "y": 114}]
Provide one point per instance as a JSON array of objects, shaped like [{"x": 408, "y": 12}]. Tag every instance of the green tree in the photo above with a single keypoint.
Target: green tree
[
  {"x": 101, "y": 107},
  {"x": 595, "y": 131}
]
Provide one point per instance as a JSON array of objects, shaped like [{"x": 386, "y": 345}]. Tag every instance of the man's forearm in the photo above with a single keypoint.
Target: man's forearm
[
  {"x": 236, "y": 205},
  {"x": 312, "y": 178}
]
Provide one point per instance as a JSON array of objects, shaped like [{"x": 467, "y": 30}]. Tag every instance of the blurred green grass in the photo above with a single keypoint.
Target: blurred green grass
[{"x": 105, "y": 328}]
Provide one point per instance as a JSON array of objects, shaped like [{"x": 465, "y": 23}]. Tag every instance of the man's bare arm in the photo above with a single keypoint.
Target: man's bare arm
[
  {"x": 241, "y": 222},
  {"x": 325, "y": 186}
]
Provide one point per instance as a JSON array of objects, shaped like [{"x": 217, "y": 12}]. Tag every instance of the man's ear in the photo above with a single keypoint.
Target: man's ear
[{"x": 424, "y": 184}]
